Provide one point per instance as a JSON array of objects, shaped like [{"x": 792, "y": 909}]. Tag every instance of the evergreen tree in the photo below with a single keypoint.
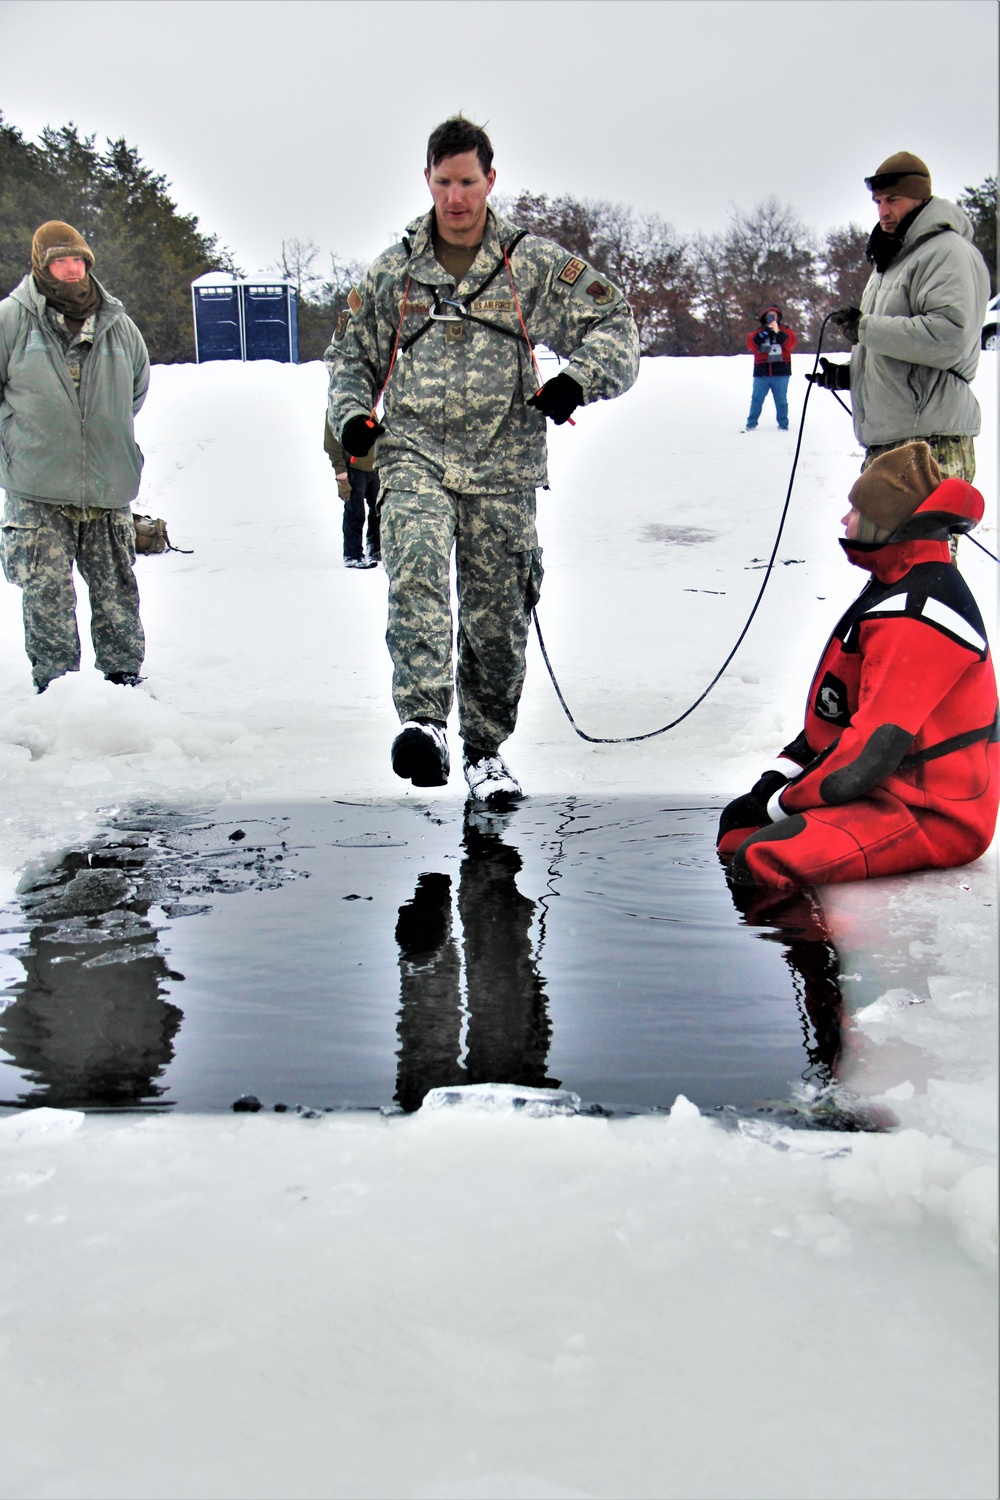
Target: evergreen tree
[
  {"x": 147, "y": 253},
  {"x": 980, "y": 203}
]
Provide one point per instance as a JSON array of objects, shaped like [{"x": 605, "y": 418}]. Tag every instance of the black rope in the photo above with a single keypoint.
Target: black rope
[
  {"x": 651, "y": 734},
  {"x": 984, "y": 549}
]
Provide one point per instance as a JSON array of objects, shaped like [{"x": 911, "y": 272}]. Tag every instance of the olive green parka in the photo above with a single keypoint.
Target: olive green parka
[{"x": 56, "y": 445}]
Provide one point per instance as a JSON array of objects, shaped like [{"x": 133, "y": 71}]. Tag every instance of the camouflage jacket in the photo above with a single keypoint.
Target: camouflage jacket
[{"x": 456, "y": 404}]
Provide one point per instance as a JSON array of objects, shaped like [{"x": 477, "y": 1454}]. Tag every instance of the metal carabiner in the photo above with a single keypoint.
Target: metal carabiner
[{"x": 443, "y": 317}]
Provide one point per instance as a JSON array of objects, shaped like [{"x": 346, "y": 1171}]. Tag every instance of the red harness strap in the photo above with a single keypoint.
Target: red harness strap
[
  {"x": 372, "y": 419},
  {"x": 524, "y": 330}
]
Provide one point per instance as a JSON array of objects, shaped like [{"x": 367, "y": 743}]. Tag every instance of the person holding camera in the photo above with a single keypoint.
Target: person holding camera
[{"x": 771, "y": 346}]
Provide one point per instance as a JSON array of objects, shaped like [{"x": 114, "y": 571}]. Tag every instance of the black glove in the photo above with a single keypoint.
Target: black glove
[
  {"x": 750, "y": 810},
  {"x": 847, "y": 320},
  {"x": 831, "y": 377},
  {"x": 558, "y": 398},
  {"x": 359, "y": 436}
]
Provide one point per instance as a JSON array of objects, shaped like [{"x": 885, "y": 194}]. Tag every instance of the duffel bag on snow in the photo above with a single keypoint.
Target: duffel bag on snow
[{"x": 151, "y": 536}]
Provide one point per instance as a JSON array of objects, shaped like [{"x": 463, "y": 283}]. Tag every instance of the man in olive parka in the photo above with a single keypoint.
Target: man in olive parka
[
  {"x": 915, "y": 336},
  {"x": 441, "y": 325},
  {"x": 73, "y": 372}
]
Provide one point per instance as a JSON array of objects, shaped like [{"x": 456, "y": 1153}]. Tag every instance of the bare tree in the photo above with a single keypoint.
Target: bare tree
[
  {"x": 639, "y": 252},
  {"x": 298, "y": 257},
  {"x": 844, "y": 273},
  {"x": 766, "y": 255}
]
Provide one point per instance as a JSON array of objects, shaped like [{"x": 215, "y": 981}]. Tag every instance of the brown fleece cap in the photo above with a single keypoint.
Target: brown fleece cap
[
  {"x": 55, "y": 239},
  {"x": 894, "y": 485},
  {"x": 901, "y": 173}
]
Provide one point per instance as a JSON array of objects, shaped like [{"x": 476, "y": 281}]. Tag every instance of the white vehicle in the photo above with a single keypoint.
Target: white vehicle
[{"x": 988, "y": 338}]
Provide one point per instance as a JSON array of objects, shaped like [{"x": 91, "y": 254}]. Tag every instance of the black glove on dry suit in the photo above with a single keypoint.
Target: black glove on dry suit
[{"x": 750, "y": 810}]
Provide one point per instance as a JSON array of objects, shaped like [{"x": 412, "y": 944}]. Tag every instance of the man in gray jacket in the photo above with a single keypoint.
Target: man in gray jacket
[
  {"x": 916, "y": 333},
  {"x": 73, "y": 372}
]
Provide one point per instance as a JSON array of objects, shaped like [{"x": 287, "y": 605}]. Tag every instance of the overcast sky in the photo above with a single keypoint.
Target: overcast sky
[{"x": 309, "y": 118}]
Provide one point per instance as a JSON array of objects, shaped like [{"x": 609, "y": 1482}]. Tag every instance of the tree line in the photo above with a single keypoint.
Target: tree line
[
  {"x": 695, "y": 294},
  {"x": 147, "y": 252}
]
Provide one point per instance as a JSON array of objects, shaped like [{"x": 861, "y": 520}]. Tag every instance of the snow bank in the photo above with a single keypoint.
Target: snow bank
[
  {"x": 474, "y": 1302},
  {"x": 479, "y": 1301}
]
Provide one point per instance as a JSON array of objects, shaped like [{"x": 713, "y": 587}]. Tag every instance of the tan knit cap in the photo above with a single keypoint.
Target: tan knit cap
[
  {"x": 901, "y": 173},
  {"x": 55, "y": 239},
  {"x": 892, "y": 488}
]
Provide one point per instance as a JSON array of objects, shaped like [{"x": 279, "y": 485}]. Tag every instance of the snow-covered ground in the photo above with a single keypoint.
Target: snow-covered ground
[{"x": 471, "y": 1302}]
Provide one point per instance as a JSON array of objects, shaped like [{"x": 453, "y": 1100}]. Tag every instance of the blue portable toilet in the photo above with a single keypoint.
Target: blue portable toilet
[
  {"x": 218, "y": 317},
  {"x": 270, "y": 320}
]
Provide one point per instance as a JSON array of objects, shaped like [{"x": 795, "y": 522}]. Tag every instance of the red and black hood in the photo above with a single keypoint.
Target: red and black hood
[{"x": 954, "y": 507}]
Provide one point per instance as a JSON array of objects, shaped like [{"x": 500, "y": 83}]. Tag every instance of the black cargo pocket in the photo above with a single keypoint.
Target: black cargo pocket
[
  {"x": 522, "y": 542},
  {"x": 19, "y": 550}
]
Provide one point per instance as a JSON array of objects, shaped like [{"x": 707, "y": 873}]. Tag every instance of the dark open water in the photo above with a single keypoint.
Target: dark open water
[{"x": 339, "y": 955}]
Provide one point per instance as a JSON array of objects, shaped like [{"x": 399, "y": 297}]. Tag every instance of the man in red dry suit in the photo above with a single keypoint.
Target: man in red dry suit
[{"x": 898, "y": 765}]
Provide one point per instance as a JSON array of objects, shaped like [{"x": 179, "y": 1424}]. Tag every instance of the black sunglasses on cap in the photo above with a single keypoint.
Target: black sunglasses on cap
[{"x": 883, "y": 180}]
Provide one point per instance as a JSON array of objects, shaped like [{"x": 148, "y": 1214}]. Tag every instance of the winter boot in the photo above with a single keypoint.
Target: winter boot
[
  {"x": 124, "y": 679},
  {"x": 490, "y": 781},
  {"x": 420, "y": 753}
]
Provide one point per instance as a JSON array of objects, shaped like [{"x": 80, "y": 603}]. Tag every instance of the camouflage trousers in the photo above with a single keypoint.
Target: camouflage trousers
[
  {"x": 498, "y": 569},
  {"x": 39, "y": 544},
  {"x": 954, "y": 456}
]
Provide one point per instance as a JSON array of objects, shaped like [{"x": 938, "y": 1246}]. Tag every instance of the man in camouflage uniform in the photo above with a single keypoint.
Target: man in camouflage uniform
[
  {"x": 916, "y": 333},
  {"x": 437, "y": 324},
  {"x": 73, "y": 371}
]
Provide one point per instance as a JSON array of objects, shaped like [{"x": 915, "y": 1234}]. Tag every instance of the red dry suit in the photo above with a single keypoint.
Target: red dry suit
[{"x": 900, "y": 753}]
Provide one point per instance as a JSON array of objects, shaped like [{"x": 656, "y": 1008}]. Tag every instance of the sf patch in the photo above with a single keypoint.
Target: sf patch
[
  {"x": 572, "y": 271},
  {"x": 341, "y": 328},
  {"x": 601, "y": 292},
  {"x": 354, "y": 300},
  {"x": 831, "y": 701}
]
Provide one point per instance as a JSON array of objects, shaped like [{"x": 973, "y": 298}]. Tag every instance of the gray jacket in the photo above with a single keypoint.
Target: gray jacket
[
  {"x": 918, "y": 340},
  {"x": 57, "y": 446}
]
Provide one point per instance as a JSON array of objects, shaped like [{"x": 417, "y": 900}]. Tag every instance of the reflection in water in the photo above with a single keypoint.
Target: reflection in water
[
  {"x": 795, "y": 920},
  {"x": 90, "y": 1027},
  {"x": 508, "y": 1029}
]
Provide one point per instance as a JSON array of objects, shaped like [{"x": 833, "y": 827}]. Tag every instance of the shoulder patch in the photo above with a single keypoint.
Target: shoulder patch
[
  {"x": 571, "y": 271},
  {"x": 354, "y": 300},
  {"x": 341, "y": 328},
  {"x": 601, "y": 292}
]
